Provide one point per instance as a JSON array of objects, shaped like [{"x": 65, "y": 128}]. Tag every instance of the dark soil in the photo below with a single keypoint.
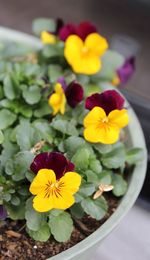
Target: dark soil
[{"x": 15, "y": 244}]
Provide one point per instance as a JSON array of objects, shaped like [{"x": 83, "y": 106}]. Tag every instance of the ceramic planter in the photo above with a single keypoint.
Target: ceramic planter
[{"x": 136, "y": 139}]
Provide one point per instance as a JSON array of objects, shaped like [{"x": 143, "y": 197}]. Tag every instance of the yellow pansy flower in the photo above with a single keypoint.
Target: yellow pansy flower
[
  {"x": 54, "y": 194},
  {"x": 58, "y": 100},
  {"x": 103, "y": 128},
  {"x": 84, "y": 56},
  {"x": 48, "y": 38}
]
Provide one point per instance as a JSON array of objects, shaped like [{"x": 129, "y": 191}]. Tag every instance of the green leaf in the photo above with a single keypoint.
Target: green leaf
[
  {"x": 86, "y": 189},
  {"x": 43, "y": 24},
  {"x": 9, "y": 167},
  {"x": 91, "y": 176},
  {"x": 81, "y": 158},
  {"x": 102, "y": 148},
  {"x": 73, "y": 143},
  {"x": 45, "y": 130},
  {"x": 111, "y": 61},
  {"x": 77, "y": 211},
  {"x": 15, "y": 200},
  {"x": 26, "y": 136},
  {"x": 42, "y": 235},
  {"x": 32, "y": 94},
  {"x": 95, "y": 166},
  {"x": 35, "y": 220},
  {"x": 134, "y": 155},
  {"x": 105, "y": 177},
  {"x": 7, "y": 118},
  {"x": 22, "y": 162},
  {"x": 16, "y": 212},
  {"x": 1, "y": 137},
  {"x": 120, "y": 185},
  {"x": 61, "y": 226},
  {"x": 95, "y": 208},
  {"x": 9, "y": 88},
  {"x": 64, "y": 127},
  {"x": 54, "y": 72},
  {"x": 114, "y": 159},
  {"x": 43, "y": 110}
]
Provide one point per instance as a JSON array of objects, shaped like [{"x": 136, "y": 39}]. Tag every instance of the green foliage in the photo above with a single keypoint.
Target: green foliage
[
  {"x": 27, "y": 78},
  {"x": 61, "y": 226},
  {"x": 114, "y": 159},
  {"x": 120, "y": 185},
  {"x": 95, "y": 208},
  {"x": 42, "y": 234},
  {"x": 7, "y": 118},
  {"x": 134, "y": 156}
]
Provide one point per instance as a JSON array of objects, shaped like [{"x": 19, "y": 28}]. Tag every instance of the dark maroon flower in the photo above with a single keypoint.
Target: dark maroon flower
[
  {"x": 74, "y": 94},
  {"x": 66, "y": 31},
  {"x": 55, "y": 161},
  {"x": 126, "y": 71},
  {"x": 109, "y": 100},
  {"x": 84, "y": 29},
  {"x": 3, "y": 212}
]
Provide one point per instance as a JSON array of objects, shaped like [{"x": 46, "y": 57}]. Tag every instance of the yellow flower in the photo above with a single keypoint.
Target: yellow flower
[
  {"x": 58, "y": 100},
  {"x": 103, "y": 128},
  {"x": 48, "y": 38},
  {"x": 84, "y": 57},
  {"x": 54, "y": 194}
]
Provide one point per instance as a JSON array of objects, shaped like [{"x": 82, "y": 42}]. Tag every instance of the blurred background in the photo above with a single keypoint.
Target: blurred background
[{"x": 130, "y": 18}]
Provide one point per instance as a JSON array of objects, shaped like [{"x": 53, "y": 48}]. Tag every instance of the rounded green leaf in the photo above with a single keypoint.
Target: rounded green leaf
[
  {"x": 42, "y": 234},
  {"x": 61, "y": 226},
  {"x": 7, "y": 118},
  {"x": 32, "y": 95}
]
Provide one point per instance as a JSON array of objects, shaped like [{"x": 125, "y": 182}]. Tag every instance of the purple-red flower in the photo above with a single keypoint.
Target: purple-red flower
[
  {"x": 74, "y": 94},
  {"x": 109, "y": 100},
  {"x": 54, "y": 161},
  {"x": 125, "y": 72},
  {"x": 3, "y": 212},
  {"x": 82, "y": 30}
]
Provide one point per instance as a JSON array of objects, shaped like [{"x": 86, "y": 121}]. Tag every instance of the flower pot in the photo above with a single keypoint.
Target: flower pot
[{"x": 136, "y": 139}]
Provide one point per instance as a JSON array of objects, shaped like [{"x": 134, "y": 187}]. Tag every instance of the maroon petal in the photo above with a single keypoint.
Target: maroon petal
[
  {"x": 126, "y": 71},
  {"x": 84, "y": 29},
  {"x": 74, "y": 94},
  {"x": 66, "y": 31},
  {"x": 109, "y": 100},
  {"x": 3, "y": 212},
  {"x": 55, "y": 161}
]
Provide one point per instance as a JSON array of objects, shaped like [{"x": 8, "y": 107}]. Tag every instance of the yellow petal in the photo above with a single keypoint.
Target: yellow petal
[
  {"x": 96, "y": 43},
  {"x": 58, "y": 88},
  {"x": 48, "y": 38},
  {"x": 58, "y": 100},
  {"x": 42, "y": 178},
  {"x": 42, "y": 204},
  {"x": 64, "y": 201},
  {"x": 73, "y": 46},
  {"x": 94, "y": 116},
  {"x": 71, "y": 181},
  {"x": 104, "y": 134},
  {"x": 119, "y": 117},
  {"x": 89, "y": 64}
]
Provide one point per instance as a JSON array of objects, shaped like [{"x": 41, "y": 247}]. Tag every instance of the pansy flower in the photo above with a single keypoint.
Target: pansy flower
[
  {"x": 72, "y": 94},
  {"x": 126, "y": 71},
  {"x": 55, "y": 182},
  {"x": 84, "y": 56},
  {"x": 106, "y": 118},
  {"x": 108, "y": 100},
  {"x": 82, "y": 30},
  {"x": 3, "y": 212}
]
